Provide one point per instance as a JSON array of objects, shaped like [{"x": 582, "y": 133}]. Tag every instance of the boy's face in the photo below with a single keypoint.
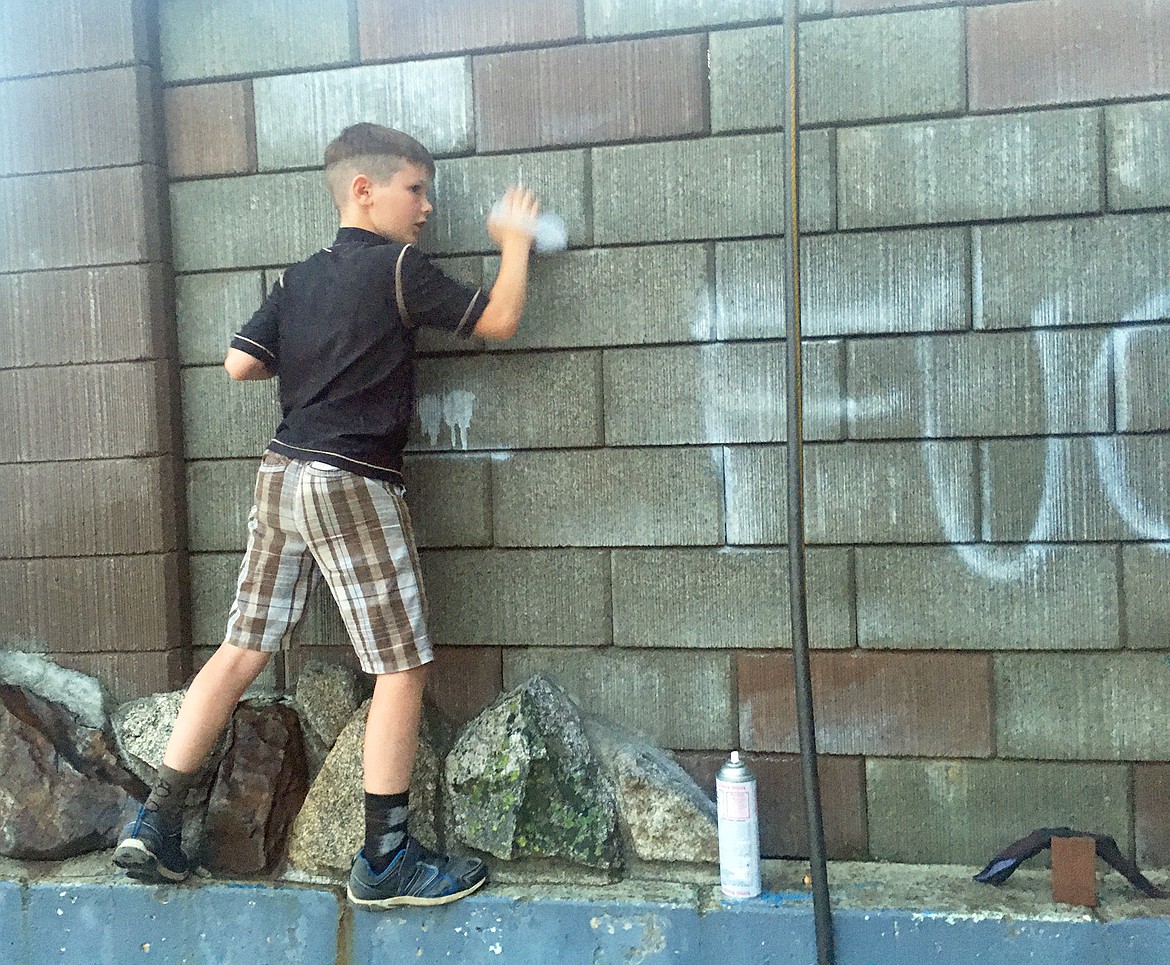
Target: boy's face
[{"x": 398, "y": 208}]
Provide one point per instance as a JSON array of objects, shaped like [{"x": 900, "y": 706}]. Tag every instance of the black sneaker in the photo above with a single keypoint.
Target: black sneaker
[
  {"x": 150, "y": 849},
  {"x": 417, "y": 876}
]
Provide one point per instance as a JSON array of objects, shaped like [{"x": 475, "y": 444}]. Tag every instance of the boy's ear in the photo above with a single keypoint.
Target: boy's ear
[{"x": 359, "y": 188}]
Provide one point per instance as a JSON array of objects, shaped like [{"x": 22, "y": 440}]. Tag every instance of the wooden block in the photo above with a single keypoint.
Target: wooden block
[{"x": 1074, "y": 871}]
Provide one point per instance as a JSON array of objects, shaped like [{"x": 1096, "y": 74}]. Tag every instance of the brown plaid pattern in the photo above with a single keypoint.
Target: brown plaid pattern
[{"x": 312, "y": 521}]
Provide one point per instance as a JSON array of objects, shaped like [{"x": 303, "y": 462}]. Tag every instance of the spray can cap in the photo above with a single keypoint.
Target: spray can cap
[{"x": 735, "y": 757}]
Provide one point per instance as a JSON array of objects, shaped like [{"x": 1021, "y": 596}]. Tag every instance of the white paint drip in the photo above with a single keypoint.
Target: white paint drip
[{"x": 454, "y": 409}]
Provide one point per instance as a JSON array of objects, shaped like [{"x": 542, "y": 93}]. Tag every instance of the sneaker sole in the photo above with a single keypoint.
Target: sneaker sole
[
  {"x": 133, "y": 857},
  {"x": 399, "y": 900}
]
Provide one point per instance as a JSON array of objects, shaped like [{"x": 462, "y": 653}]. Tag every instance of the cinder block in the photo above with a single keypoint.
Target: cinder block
[
  {"x": 211, "y": 129},
  {"x": 1145, "y": 576},
  {"x": 97, "y": 119},
  {"x": 112, "y": 314},
  {"x": 220, "y": 494},
  {"x": 225, "y": 419},
  {"x": 298, "y": 114},
  {"x": 1096, "y": 270},
  {"x": 1151, "y": 814},
  {"x": 39, "y": 232},
  {"x": 450, "y": 500},
  {"x": 466, "y": 188},
  {"x": 257, "y": 36},
  {"x": 518, "y": 598},
  {"x": 963, "y": 812},
  {"x": 80, "y": 35},
  {"x": 626, "y": 91},
  {"x": 1096, "y": 706},
  {"x": 928, "y": 704},
  {"x": 394, "y": 29},
  {"x": 509, "y": 401},
  {"x": 853, "y": 69},
  {"x": 639, "y": 195},
  {"x": 987, "y": 597},
  {"x": 1135, "y": 150},
  {"x": 1139, "y": 360},
  {"x": 682, "y": 705},
  {"x": 213, "y": 586},
  {"x": 727, "y": 599},
  {"x": 1103, "y": 488},
  {"x": 266, "y": 219},
  {"x": 723, "y": 393},
  {"x": 979, "y": 384},
  {"x": 464, "y": 681},
  {"x": 130, "y": 675},
  {"x": 609, "y": 497},
  {"x": 969, "y": 169},
  {"x": 608, "y": 18},
  {"x": 1024, "y": 54},
  {"x": 86, "y": 412},
  {"x": 857, "y": 283},
  {"x": 210, "y": 308},
  {"x": 882, "y": 492},
  {"x": 872, "y": 6}
]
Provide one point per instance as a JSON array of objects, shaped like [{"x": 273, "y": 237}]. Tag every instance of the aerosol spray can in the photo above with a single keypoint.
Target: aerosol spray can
[{"x": 739, "y": 830}]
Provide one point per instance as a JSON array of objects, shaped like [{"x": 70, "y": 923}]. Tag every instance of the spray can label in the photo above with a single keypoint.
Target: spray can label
[{"x": 739, "y": 831}]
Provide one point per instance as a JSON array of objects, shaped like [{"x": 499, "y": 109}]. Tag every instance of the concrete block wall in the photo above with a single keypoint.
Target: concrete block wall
[
  {"x": 987, "y": 308},
  {"x": 92, "y": 542}
]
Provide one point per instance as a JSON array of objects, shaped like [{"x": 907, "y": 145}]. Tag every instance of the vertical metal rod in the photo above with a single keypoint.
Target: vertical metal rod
[{"x": 797, "y": 587}]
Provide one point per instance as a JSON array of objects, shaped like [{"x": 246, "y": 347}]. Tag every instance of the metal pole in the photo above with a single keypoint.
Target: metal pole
[{"x": 797, "y": 587}]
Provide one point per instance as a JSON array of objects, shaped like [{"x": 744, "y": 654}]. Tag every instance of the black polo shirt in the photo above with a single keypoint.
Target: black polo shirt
[{"x": 339, "y": 330}]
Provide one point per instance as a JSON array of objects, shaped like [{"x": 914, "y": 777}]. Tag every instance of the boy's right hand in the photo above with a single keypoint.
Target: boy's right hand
[{"x": 513, "y": 220}]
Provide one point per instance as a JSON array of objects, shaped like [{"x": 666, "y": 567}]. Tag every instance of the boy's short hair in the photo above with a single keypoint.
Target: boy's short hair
[{"x": 373, "y": 150}]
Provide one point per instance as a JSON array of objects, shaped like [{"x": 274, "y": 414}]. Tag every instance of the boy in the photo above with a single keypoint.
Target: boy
[{"x": 338, "y": 329}]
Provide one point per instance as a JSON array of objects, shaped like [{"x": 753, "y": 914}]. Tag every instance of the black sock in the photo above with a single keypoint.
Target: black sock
[
  {"x": 386, "y": 817},
  {"x": 169, "y": 794}
]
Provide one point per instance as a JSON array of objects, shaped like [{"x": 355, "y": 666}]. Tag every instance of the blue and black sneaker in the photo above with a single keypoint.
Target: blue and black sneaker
[
  {"x": 417, "y": 876},
  {"x": 150, "y": 849}
]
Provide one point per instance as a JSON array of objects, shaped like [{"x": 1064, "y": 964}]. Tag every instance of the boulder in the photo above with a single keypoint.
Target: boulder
[
  {"x": 80, "y": 694},
  {"x": 522, "y": 782},
  {"x": 327, "y": 697}
]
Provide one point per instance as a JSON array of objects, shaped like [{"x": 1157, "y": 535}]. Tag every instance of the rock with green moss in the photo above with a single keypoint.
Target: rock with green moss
[{"x": 522, "y": 782}]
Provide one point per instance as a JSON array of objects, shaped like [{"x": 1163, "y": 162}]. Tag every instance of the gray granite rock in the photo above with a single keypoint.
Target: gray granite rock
[
  {"x": 327, "y": 696},
  {"x": 80, "y": 693}
]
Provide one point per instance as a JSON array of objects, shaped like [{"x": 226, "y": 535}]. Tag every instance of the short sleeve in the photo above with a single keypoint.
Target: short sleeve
[
  {"x": 260, "y": 337},
  {"x": 426, "y": 296}
]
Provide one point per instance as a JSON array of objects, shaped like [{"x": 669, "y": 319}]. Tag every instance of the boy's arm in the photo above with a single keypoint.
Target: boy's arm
[
  {"x": 244, "y": 367},
  {"x": 512, "y": 230}
]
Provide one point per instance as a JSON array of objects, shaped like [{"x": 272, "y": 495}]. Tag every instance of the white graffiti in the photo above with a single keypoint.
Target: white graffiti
[{"x": 454, "y": 409}]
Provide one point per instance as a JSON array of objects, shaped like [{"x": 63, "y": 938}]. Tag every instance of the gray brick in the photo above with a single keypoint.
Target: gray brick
[
  {"x": 606, "y": 497},
  {"x": 853, "y": 69},
  {"x": 1094, "y": 270},
  {"x": 639, "y": 195},
  {"x": 607, "y": 18},
  {"x": 213, "y": 584},
  {"x": 450, "y": 500},
  {"x": 871, "y": 282},
  {"x": 85, "y": 412},
  {"x": 1103, "y": 488},
  {"x": 678, "y": 704},
  {"x": 97, "y": 119},
  {"x": 41, "y": 232},
  {"x": 112, "y": 314},
  {"x": 1140, "y": 361},
  {"x": 219, "y": 498},
  {"x": 519, "y": 598},
  {"x": 1097, "y": 706},
  {"x": 1145, "y": 576},
  {"x": 616, "y": 296},
  {"x": 267, "y": 219},
  {"x": 987, "y": 597},
  {"x": 298, "y": 114},
  {"x": 252, "y": 37},
  {"x": 225, "y": 419},
  {"x": 474, "y": 402},
  {"x": 210, "y": 308},
  {"x": 980, "y": 384},
  {"x": 964, "y": 811},
  {"x": 466, "y": 188},
  {"x": 722, "y": 393},
  {"x": 878, "y": 492},
  {"x": 972, "y": 169},
  {"x": 80, "y": 35},
  {"x": 726, "y": 599},
  {"x": 130, "y": 675},
  {"x": 1139, "y": 169}
]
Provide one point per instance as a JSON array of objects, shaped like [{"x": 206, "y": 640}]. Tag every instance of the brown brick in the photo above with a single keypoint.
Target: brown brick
[
  {"x": 1024, "y": 54},
  {"x": 629, "y": 90},
  {"x": 465, "y": 680},
  {"x": 780, "y": 799},
  {"x": 211, "y": 129},
  {"x": 400, "y": 29},
  {"x": 889, "y": 703},
  {"x": 130, "y": 675},
  {"x": 1151, "y": 819}
]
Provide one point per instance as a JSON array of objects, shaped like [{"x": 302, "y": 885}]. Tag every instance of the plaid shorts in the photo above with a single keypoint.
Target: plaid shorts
[{"x": 310, "y": 521}]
